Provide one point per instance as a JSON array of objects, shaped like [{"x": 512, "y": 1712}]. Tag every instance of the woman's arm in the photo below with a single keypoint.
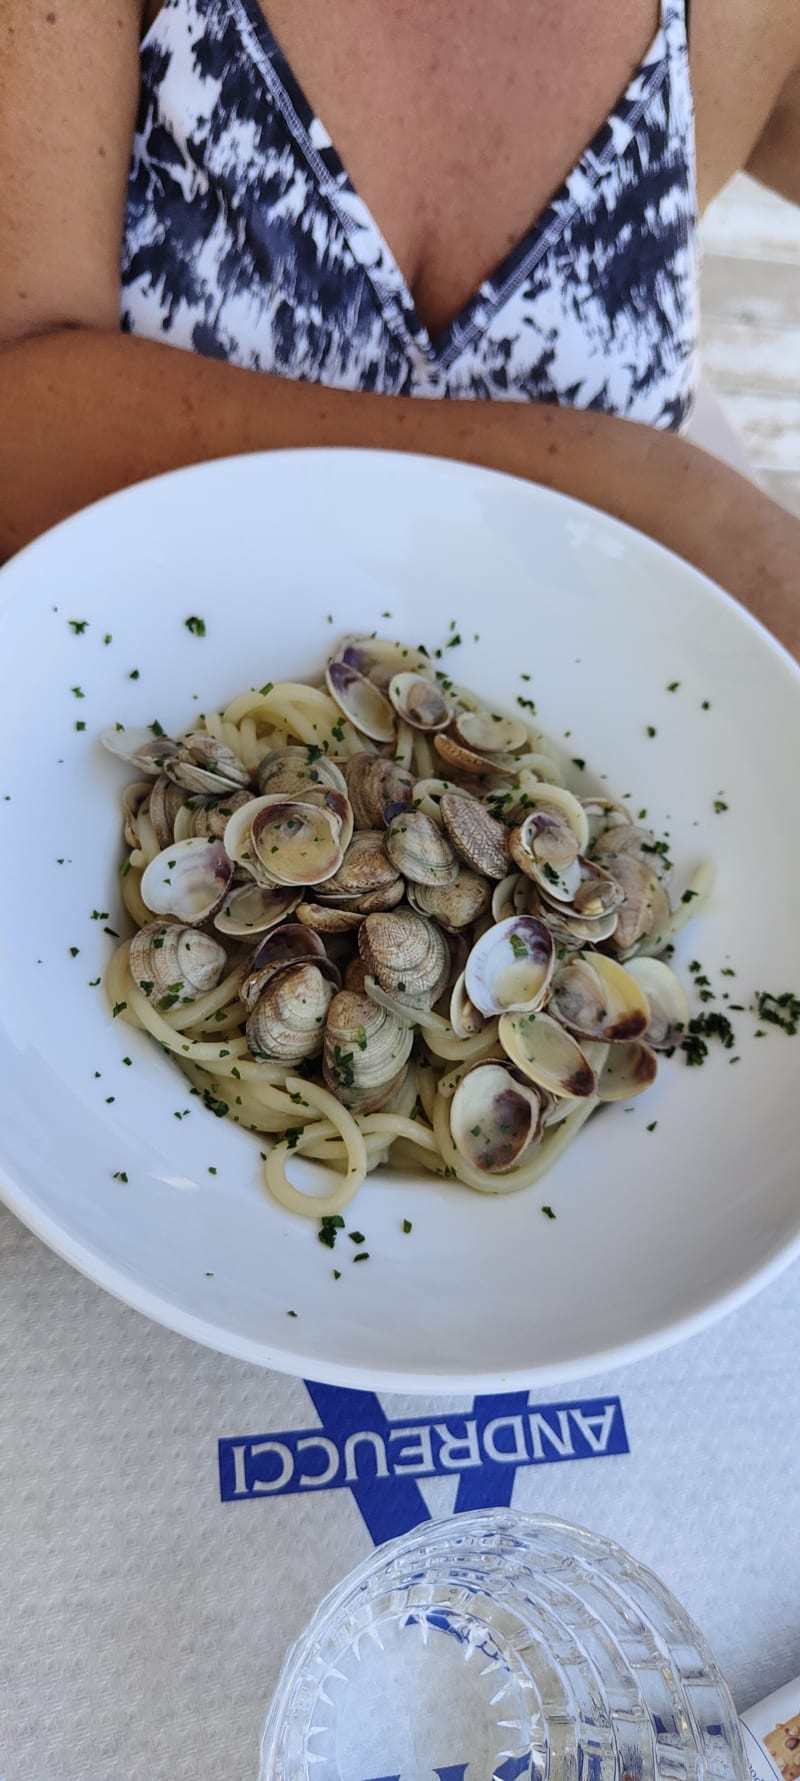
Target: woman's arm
[{"x": 85, "y": 410}]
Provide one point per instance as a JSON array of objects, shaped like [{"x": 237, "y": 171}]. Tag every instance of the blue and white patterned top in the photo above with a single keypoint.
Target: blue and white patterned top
[{"x": 245, "y": 240}]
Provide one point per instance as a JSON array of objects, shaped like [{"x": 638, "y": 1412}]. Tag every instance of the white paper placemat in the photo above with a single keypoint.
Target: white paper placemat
[{"x": 144, "y": 1618}]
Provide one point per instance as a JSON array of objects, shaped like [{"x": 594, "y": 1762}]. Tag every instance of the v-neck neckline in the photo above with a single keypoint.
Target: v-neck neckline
[{"x": 369, "y": 246}]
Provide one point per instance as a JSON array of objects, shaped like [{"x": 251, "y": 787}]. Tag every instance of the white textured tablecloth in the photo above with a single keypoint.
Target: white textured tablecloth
[{"x": 144, "y": 1619}]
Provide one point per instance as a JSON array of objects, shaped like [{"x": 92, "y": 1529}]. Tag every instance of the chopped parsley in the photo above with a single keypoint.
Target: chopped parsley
[
  {"x": 577, "y": 762},
  {"x": 783, "y": 1011},
  {"x": 706, "y": 705},
  {"x": 119, "y": 1008},
  {"x": 119, "y": 1175},
  {"x": 518, "y": 946},
  {"x": 80, "y": 726},
  {"x": 266, "y": 688},
  {"x": 548, "y": 1212},
  {"x": 652, "y": 1126},
  {"x": 197, "y": 626},
  {"x": 453, "y": 642},
  {"x": 78, "y": 691},
  {"x": 363, "y": 1256},
  {"x": 157, "y": 728},
  {"x": 356, "y": 1237},
  {"x": 134, "y": 674},
  {"x": 407, "y": 1226},
  {"x": 673, "y": 686},
  {"x": 712, "y": 1025},
  {"x": 651, "y": 730},
  {"x": 74, "y": 951},
  {"x": 720, "y": 805},
  {"x": 78, "y": 625},
  {"x": 688, "y": 895},
  {"x": 526, "y": 704}
]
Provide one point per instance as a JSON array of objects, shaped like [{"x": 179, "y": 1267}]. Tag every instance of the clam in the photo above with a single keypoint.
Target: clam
[
  {"x": 418, "y": 701},
  {"x": 372, "y": 784},
  {"x": 547, "y": 1054},
  {"x": 488, "y": 734},
  {"x": 166, "y": 799},
  {"x": 599, "y": 999},
  {"x": 461, "y": 759},
  {"x": 379, "y": 659},
  {"x": 384, "y": 896},
  {"x": 210, "y": 816},
  {"x": 630, "y": 837},
  {"x": 505, "y": 898},
  {"x": 365, "y": 1052},
  {"x": 173, "y": 963},
  {"x": 418, "y": 849},
  {"x": 329, "y": 918},
  {"x": 455, "y": 905},
  {"x": 645, "y": 906},
  {"x": 144, "y": 750},
  {"x": 628, "y": 1071},
  {"x": 366, "y": 867},
  {"x": 290, "y": 944},
  {"x": 510, "y": 967},
  {"x": 253, "y": 908},
  {"x": 666, "y": 996},
  {"x": 288, "y": 1020},
  {"x": 134, "y": 797},
  {"x": 202, "y": 764},
  {"x": 284, "y": 840},
  {"x": 476, "y": 836},
  {"x": 294, "y": 766},
  {"x": 604, "y": 814},
  {"x": 465, "y": 1019},
  {"x": 362, "y": 702},
  {"x": 548, "y": 843},
  {"x": 406, "y": 954},
  {"x": 190, "y": 880},
  {"x": 496, "y": 1116}
]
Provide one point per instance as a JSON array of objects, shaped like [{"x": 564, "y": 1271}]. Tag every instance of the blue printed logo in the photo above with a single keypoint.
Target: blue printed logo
[{"x": 358, "y": 1448}]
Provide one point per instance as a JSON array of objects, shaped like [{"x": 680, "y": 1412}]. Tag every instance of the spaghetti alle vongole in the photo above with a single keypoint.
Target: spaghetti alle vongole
[{"x": 371, "y": 922}]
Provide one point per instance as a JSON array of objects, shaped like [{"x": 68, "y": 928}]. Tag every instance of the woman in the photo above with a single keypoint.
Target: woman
[{"x": 165, "y": 168}]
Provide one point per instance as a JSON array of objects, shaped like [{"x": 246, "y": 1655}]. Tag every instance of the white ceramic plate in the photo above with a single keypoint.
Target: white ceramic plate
[{"x": 656, "y": 1231}]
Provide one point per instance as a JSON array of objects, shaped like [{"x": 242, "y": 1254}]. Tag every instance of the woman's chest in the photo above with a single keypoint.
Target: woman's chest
[{"x": 457, "y": 119}]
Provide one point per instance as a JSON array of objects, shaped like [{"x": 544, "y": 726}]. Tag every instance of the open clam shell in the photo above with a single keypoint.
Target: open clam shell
[
  {"x": 253, "y": 909},
  {"x": 510, "y": 966},
  {"x": 295, "y": 767},
  {"x": 365, "y": 706},
  {"x": 291, "y": 944},
  {"x": 144, "y": 750},
  {"x": 547, "y": 1054},
  {"x": 628, "y": 1071},
  {"x": 465, "y": 1019},
  {"x": 645, "y": 906},
  {"x": 419, "y": 702},
  {"x": 366, "y": 867},
  {"x": 190, "y": 880},
  {"x": 597, "y": 998},
  {"x": 489, "y": 734},
  {"x": 496, "y": 1116},
  {"x": 290, "y": 841},
  {"x": 379, "y": 659},
  {"x": 173, "y": 963},
  {"x": 667, "y": 1001}
]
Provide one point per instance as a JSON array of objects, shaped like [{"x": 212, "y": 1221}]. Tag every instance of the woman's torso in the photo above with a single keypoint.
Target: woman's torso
[{"x": 246, "y": 238}]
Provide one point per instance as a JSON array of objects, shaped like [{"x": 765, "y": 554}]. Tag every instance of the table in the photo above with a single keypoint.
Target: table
[{"x": 145, "y": 1619}]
